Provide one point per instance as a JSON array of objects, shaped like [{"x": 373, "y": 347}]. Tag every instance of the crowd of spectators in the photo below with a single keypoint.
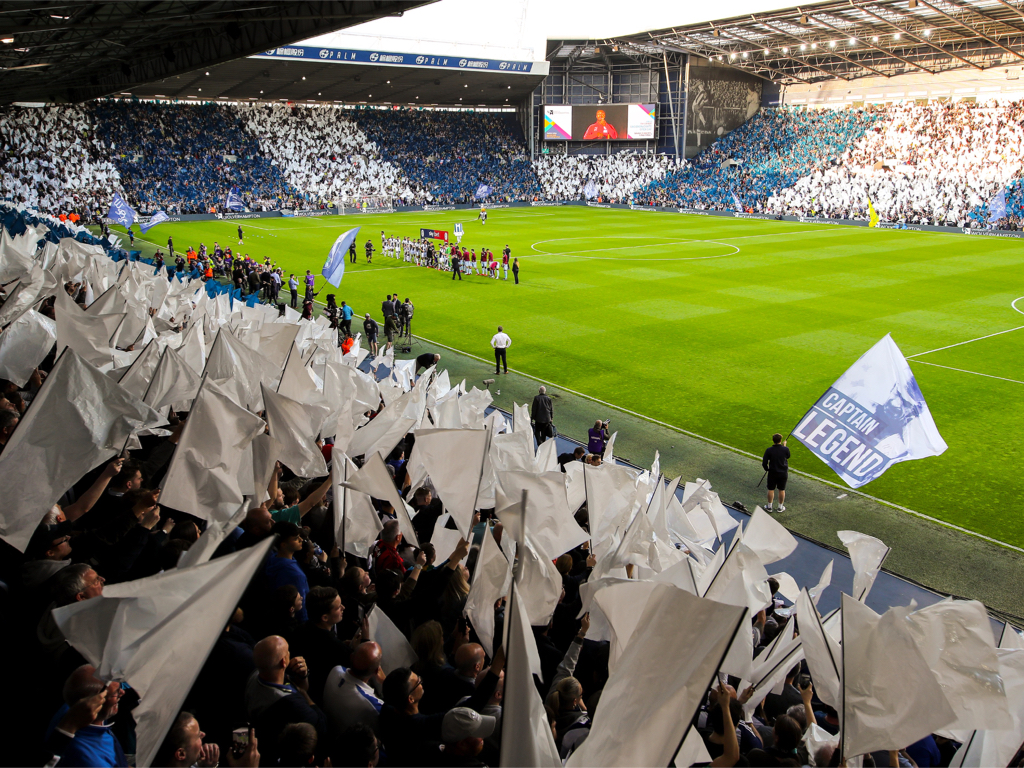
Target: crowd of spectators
[
  {"x": 448, "y": 155},
  {"x": 380, "y": 641},
  {"x": 323, "y": 153},
  {"x": 51, "y": 159},
  {"x": 921, "y": 164},
  {"x": 185, "y": 158},
  {"x": 615, "y": 177},
  {"x": 768, "y": 153}
]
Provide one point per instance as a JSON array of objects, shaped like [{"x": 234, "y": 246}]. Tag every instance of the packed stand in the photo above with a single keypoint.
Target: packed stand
[
  {"x": 323, "y": 153},
  {"x": 1013, "y": 219},
  {"x": 51, "y": 159},
  {"x": 768, "y": 153},
  {"x": 615, "y": 177},
  {"x": 448, "y": 155},
  {"x": 929, "y": 164},
  {"x": 185, "y": 158},
  {"x": 292, "y": 565}
]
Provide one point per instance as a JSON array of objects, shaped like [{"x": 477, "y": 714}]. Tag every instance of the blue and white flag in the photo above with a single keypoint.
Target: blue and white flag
[
  {"x": 157, "y": 218},
  {"x": 234, "y": 201},
  {"x": 120, "y": 212},
  {"x": 458, "y": 229},
  {"x": 334, "y": 267},
  {"x": 483, "y": 191},
  {"x": 997, "y": 207},
  {"x": 736, "y": 202},
  {"x": 874, "y": 416},
  {"x": 590, "y": 190}
]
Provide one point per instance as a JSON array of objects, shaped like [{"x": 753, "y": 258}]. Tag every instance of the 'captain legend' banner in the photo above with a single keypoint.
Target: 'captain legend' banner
[{"x": 874, "y": 416}]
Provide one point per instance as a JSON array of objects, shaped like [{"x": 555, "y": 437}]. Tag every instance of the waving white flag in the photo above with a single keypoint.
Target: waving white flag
[
  {"x": 24, "y": 344},
  {"x": 76, "y": 406},
  {"x": 295, "y": 426},
  {"x": 155, "y": 633}
]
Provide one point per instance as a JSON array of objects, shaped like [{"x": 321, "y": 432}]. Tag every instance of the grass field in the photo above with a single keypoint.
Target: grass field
[{"x": 729, "y": 329}]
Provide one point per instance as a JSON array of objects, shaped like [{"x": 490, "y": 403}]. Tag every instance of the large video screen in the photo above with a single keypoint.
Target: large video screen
[{"x": 599, "y": 122}]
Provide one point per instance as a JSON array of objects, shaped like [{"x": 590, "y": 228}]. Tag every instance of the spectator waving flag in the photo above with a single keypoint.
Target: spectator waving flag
[
  {"x": 997, "y": 207},
  {"x": 234, "y": 201},
  {"x": 334, "y": 267},
  {"x": 157, "y": 218},
  {"x": 590, "y": 190},
  {"x": 483, "y": 191},
  {"x": 736, "y": 202},
  {"x": 874, "y": 416},
  {"x": 872, "y": 214},
  {"x": 120, "y": 212}
]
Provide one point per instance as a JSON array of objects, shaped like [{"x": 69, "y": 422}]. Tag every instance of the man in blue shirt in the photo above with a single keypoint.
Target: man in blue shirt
[
  {"x": 282, "y": 569},
  {"x": 346, "y": 319},
  {"x": 95, "y": 744}
]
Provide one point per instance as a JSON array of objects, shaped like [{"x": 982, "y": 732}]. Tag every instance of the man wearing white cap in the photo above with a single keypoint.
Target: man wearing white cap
[{"x": 463, "y": 732}]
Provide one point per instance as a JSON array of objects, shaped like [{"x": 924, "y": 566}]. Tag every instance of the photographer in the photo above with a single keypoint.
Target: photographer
[{"x": 598, "y": 437}]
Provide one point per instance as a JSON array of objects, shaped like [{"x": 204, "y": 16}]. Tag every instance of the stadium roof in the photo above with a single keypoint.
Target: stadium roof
[
  {"x": 73, "y": 51},
  {"x": 850, "y": 39},
  {"x": 312, "y": 73}
]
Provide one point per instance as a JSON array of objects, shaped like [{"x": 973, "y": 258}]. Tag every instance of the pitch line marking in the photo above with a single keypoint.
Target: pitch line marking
[
  {"x": 961, "y": 343},
  {"x": 961, "y": 370},
  {"x": 740, "y": 451},
  {"x": 781, "y": 234}
]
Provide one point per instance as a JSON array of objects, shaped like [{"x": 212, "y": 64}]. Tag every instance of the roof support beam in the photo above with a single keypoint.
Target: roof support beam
[
  {"x": 890, "y": 53},
  {"x": 725, "y": 52},
  {"x": 835, "y": 53},
  {"x": 924, "y": 41},
  {"x": 801, "y": 62},
  {"x": 968, "y": 27}
]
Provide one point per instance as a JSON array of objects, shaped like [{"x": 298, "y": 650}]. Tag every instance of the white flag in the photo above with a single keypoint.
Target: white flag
[
  {"x": 90, "y": 336},
  {"x": 823, "y": 654},
  {"x": 646, "y": 708},
  {"x": 866, "y": 555},
  {"x": 155, "y": 634},
  {"x": 527, "y": 737},
  {"x": 395, "y": 649},
  {"x": 552, "y": 528},
  {"x": 295, "y": 426},
  {"x": 453, "y": 459},
  {"x": 355, "y": 519},
  {"x": 374, "y": 480},
  {"x": 173, "y": 381},
  {"x": 491, "y": 581},
  {"x": 76, "y": 406},
  {"x": 24, "y": 344},
  {"x": 768, "y": 538},
  {"x": 203, "y": 477},
  {"x": 890, "y": 695},
  {"x": 874, "y": 416},
  {"x": 136, "y": 379}
]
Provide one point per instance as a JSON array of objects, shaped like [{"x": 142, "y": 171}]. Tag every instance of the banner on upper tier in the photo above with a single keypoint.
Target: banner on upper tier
[
  {"x": 433, "y": 234},
  {"x": 874, "y": 416}
]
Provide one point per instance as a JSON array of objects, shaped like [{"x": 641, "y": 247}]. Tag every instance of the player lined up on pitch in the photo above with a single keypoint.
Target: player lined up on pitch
[{"x": 448, "y": 257}]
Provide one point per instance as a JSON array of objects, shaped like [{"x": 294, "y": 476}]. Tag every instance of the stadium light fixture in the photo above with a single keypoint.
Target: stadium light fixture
[
  {"x": 853, "y": 41},
  {"x": 874, "y": 38},
  {"x": 389, "y": 82},
  {"x": 803, "y": 47},
  {"x": 7, "y": 40},
  {"x": 744, "y": 54},
  {"x": 785, "y": 49},
  {"x": 207, "y": 74},
  {"x": 927, "y": 33},
  {"x": 766, "y": 52},
  {"x": 200, "y": 90},
  {"x": 732, "y": 56},
  {"x": 303, "y": 77},
  {"x": 896, "y": 36},
  {"x": 832, "y": 43},
  {"x": 814, "y": 46},
  {"x": 261, "y": 91}
]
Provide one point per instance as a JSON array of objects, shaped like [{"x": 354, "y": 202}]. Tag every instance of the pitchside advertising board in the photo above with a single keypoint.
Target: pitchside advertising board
[
  {"x": 433, "y": 234},
  {"x": 600, "y": 122}
]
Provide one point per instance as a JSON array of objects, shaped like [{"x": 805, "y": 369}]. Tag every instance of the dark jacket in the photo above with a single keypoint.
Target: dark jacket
[{"x": 542, "y": 411}]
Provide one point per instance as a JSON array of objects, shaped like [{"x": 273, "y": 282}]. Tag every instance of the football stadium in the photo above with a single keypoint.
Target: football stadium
[{"x": 391, "y": 383}]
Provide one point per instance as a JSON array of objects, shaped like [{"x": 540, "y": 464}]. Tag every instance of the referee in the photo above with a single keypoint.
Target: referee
[
  {"x": 500, "y": 341},
  {"x": 776, "y": 464}
]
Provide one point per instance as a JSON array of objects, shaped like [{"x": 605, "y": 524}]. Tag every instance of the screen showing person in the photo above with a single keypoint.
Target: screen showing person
[{"x": 604, "y": 123}]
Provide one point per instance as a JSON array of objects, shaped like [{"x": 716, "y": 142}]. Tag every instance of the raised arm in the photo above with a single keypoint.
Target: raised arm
[
  {"x": 82, "y": 505},
  {"x": 314, "y": 498}
]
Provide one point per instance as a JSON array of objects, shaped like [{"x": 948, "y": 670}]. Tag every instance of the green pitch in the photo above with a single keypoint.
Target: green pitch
[{"x": 729, "y": 329}]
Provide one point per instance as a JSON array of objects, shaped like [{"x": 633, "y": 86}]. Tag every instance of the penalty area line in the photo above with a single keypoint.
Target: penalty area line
[
  {"x": 962, "y": 370},
  {"x": 741, "y": 452}
]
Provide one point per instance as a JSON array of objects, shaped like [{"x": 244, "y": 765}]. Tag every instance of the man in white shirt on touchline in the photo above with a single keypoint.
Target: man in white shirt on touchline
[{"x": 500, "y": 341}]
